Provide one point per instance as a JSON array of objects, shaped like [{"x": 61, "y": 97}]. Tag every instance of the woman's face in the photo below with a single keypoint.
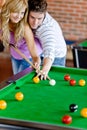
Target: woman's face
[
  {"x": 16, "y": 17},
  {"x": 2, "y": 2}
]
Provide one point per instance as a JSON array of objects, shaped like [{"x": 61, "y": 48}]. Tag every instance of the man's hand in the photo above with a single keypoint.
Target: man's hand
[{"x": 47, "y": 63}]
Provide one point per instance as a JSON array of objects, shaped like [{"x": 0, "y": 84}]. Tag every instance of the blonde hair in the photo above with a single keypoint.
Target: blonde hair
[{"x": 13, "y": 6}]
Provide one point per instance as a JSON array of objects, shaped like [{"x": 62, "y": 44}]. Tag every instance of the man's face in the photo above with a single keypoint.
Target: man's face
[{"x": 35, "y": 19}]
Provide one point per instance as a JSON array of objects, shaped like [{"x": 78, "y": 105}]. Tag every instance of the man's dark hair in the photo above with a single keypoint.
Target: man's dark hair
[{"x": 37, "y": 5}]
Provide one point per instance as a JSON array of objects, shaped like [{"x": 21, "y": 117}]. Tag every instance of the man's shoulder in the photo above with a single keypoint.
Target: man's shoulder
[
  {"x": 49, "y": 23},
  {"x": 49, "y": 20}
]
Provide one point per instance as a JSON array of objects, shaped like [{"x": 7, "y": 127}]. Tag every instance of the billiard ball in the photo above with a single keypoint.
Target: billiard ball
[
  {"x": 3, "y": 104},
  {"x": 72, "y": 82},
  {"x": 19, "y": 96},
  {"x": 82, "y": 82},
  {"x": 52, "y": 82},
  {"x": 67, "y": 119},
  {"x": 83, "y": 112},
  {"x": 67, "y": 77},
  {"x": 36, "y": 79},
  {"x": 73, "y": 107}
]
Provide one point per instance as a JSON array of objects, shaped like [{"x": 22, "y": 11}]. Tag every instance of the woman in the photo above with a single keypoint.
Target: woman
[{"x": 17, "y": 31}]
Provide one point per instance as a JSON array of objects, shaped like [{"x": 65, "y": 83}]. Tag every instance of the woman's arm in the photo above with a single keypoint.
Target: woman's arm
[{"x": 28, "y": 35}]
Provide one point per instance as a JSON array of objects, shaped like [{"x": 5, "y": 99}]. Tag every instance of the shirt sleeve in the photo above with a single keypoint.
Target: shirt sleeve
[{"x": 48, "y": 40}]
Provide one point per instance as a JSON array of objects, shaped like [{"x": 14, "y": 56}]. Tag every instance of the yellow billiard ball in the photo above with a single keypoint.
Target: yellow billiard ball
[
  {"x": 82, "y": 82},
  {"x": 3, "y": 104},
  {"x": 84, "y": 112},
  {"x": 19, "y": 96},
  {"x": 36, "y": 79}
]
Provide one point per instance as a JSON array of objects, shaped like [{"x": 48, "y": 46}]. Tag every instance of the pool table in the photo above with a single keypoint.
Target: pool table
[
  {"x": 79, "y": 51},
  {"x": 44, "y": 105}
]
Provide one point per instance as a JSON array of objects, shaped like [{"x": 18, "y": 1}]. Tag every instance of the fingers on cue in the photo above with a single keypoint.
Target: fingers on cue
[
  {"x": 38, "y": 70},
  {"x": 37, "y": 66},
  {"x": 39, "y": 73},
  {"x": 42, "y": 75}
]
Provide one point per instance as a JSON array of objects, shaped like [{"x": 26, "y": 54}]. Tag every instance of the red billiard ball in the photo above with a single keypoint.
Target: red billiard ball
[
  {"x": 72, "y": 82},
  {"x": 67, "y": 119},
  {"x": 67, "y": 77}
]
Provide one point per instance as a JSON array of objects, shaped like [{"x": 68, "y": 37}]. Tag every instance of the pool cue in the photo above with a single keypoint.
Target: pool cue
[{"x": 24, "y": 57}]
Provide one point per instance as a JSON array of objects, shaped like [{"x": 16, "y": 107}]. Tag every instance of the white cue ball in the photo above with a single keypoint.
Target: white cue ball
[{"x": 52, "y": 82}]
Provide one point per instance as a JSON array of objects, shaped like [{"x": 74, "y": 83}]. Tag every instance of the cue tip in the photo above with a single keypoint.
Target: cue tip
[{"x": 48, "y": 78}]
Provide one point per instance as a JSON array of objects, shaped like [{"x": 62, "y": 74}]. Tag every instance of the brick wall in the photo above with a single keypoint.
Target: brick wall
[{"x": 72, "y": 17}]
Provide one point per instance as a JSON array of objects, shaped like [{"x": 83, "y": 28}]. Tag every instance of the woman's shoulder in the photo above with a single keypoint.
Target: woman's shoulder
[
  {"x": 26, "y": 25},
  {"x": 27, "y": 28}
]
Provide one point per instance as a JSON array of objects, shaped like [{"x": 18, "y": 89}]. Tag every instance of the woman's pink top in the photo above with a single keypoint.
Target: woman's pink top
[{"x": 22, "y": 46}]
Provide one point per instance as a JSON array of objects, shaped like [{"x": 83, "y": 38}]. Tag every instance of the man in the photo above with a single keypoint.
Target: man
[{"x": 49, "y": 33}]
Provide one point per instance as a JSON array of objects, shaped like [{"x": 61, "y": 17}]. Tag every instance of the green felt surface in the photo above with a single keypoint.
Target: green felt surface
[
  {"x": 83, "y": 44},
  {"x": 44, "y": 103}
]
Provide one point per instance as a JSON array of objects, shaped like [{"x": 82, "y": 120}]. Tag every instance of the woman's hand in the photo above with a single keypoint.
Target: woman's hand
[{"x": 36, "y": 63}]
